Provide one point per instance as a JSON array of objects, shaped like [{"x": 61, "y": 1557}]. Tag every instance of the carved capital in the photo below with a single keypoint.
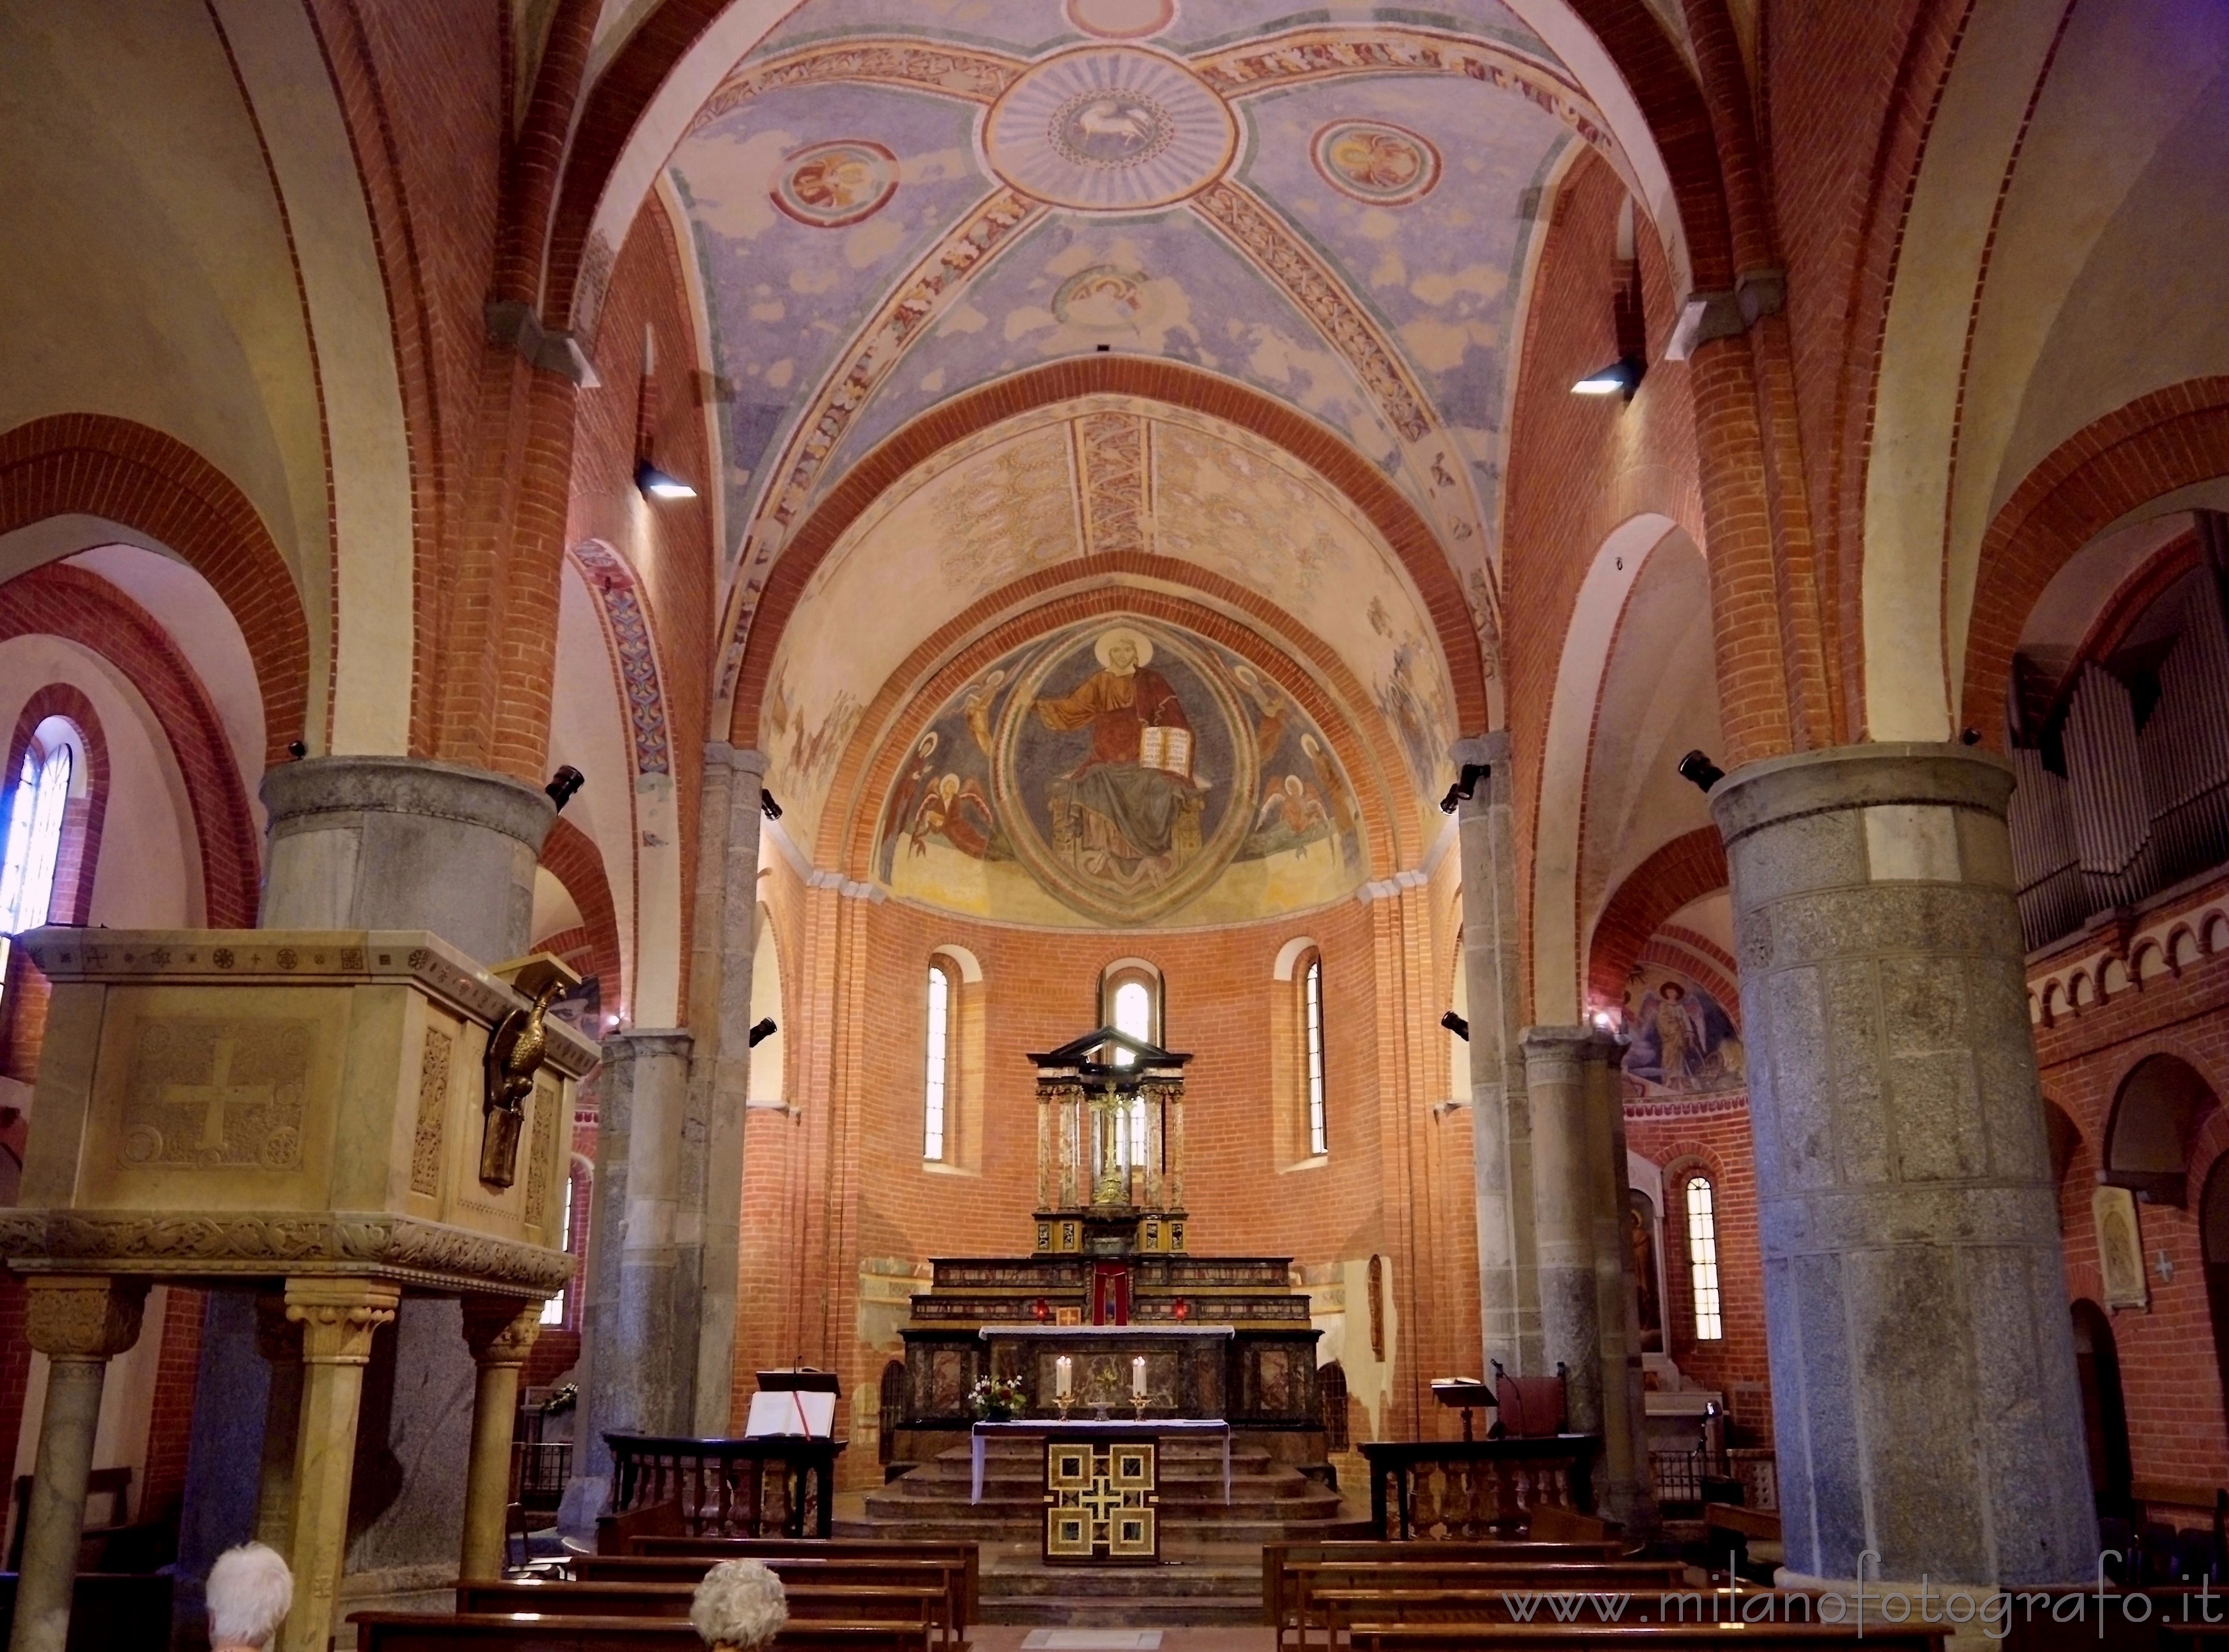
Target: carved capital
[
  {"x": 73, "y": 1317},
  {"x": 500, "y": 1330},
  {"x": 338, "y": 1316}
]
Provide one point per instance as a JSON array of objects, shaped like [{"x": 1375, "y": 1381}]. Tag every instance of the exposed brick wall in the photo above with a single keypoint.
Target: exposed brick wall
[
  {"x": 1711, "y": 1138},
  {"x": 574, "y": 861},
  {"x": 1689, "y": 867}
]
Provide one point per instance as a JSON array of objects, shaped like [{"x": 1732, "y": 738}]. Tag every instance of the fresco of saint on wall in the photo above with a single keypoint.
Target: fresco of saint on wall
[
  {"x": 1120, "y": 772},
  {"x": 1682, "y": 1040}
]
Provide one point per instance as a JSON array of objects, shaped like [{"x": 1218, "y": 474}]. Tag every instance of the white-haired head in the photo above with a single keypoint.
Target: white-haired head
[
  {"x": 249, "y": 1590},
  {"x": 739, "y": 1604}
]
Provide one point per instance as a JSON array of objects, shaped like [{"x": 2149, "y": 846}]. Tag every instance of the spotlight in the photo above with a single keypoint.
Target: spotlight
[
  {"x": 1466, "y": 785},
  {"x": 563, "y": 784},
  {"x": 1970, "y": 737},
  {"x": 297, "y": 749},
  {"x": 1603, "y": 1019},
  {"x": 1457, "y": 1024},
  {"x": 763, "y": 1029},
  {"x": 1700, "y": 771},
  {"x": 1622, "y": 377},
  {"x": 767, "y": 806},
  {"x": 659, "y": 484}
]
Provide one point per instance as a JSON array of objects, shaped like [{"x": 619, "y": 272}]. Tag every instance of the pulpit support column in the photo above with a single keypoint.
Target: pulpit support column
[
  {"x": 500, "y": 1332},
  {"x": 338, "y": 1318},
  {"x": 80, "y": 1324}
]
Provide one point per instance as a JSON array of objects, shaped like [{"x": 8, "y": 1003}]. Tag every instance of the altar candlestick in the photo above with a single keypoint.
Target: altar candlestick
[
  {"x": 1063, "y": 1371},
  {"x": 1138, "y": 1375}
]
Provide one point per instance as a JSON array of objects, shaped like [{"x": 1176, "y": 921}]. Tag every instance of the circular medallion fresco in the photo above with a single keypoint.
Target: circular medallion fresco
[
  {"x": 1375, "y": 162},
  {"x": 1109, "y": 129},
  {"x": 1106, "y": 298},
  {"x": 829, "y": 185},
  {"x": 1121, "y": 19}
]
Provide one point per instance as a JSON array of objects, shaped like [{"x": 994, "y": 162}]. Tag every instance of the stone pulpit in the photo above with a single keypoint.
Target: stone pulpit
[{"x": 333, "y": 1119}]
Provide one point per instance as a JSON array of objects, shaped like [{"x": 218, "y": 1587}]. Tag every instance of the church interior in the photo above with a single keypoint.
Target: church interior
[{"x": 1059, "y": 788}]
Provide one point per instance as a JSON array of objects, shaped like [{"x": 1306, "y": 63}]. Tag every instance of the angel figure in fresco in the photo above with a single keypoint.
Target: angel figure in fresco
[
  {"x": 1129, "y": 813},
  {"x": 905, "y": 796},
  {"x": 957, "y": 811},
  {"x": 1682, "y": 1044},
  {"x": 1291, "y": 814}
]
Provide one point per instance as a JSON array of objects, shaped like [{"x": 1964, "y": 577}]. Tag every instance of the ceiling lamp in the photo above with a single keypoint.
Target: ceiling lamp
[
  {"x": 659, "y": 484},
  {"x": 1620, "y": 377}
]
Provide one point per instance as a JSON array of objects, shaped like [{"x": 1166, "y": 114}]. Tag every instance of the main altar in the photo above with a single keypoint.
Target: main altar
[{"x": 1110, "y": 1316}]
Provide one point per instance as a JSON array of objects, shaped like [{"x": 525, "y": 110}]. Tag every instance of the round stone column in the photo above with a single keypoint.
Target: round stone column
[
  {"x": 1927, "y": 1416},
  {"x": 402, "y": 842}
]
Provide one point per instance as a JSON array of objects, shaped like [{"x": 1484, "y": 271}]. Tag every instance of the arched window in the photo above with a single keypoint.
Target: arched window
[
  {"x": 35, "y": 838},
  {"x": 943, "y": 1008},
  {"x": 1130, "y": 997},
  {"x": 1703, "y": 1259},
  {"x": 572, "y": 1237},
  {"x": 1312, "y": 1041}
]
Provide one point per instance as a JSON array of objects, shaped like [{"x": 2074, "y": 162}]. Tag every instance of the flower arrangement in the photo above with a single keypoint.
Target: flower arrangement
[
  {"x": 739, "y": 1606},
  {"x": 996, "y": 1399}
]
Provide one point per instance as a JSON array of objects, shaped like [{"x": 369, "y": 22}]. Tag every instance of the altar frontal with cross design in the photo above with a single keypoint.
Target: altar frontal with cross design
[{"x": 1100, "y": 1498}]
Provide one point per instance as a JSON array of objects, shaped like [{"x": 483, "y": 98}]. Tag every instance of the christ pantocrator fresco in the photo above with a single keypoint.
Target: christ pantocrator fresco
[{"x": 1122, "y": 771}]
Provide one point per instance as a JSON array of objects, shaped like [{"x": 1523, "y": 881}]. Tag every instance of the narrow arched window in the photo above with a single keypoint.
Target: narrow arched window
[
  {"x": 1131, "y": 993},
  {"x": 35, "y": 838},
  {"x": 1312, "y": 1029},
  {"x": 572, "y": 1234},
  {"x": 943, "y": 1001},
  {"x": 1703, "y": 1259}
]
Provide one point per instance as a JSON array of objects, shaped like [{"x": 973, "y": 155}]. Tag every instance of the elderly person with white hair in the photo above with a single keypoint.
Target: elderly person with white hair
[
  {"x": 249, "y": 1590},
  {"x": 739, "y": 1607}
]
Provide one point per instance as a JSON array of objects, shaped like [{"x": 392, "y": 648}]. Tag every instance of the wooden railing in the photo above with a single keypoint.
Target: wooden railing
[
  {"x": 779, "y": 1487},
  {"x": 1470, "y": 1490}
]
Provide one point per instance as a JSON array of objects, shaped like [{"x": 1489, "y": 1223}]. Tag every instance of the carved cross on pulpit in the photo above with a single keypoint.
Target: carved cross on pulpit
[{"x": 213, "y": 1098}]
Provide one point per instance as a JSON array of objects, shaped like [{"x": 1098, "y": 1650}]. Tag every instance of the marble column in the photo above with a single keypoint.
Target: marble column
[
  {"x": 338, "y": 1318},
  {"x": 1501, "y": 1128},
  {"x": 279, "y": 1340},
  {"x": 80, "y": 1324},
  {"x": 1625, "y": 1492},
  {"x": 500, "y": 1331},
  {"x": 1923, "y": 1386},
  {"x": 1564, "y": 1186},
  {"x": 638, "y": 1320},
  {"x": 720, "y": 1072}
]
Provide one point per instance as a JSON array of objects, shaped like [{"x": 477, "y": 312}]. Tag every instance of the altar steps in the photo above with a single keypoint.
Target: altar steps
[{"x": 1196, "y": 1585}]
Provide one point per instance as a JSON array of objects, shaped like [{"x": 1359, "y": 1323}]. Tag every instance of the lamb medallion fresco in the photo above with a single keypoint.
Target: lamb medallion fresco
[{"x": 1124, "y": 772}]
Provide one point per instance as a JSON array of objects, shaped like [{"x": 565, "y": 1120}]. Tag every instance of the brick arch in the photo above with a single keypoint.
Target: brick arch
[
  {"x": 1640, "y": 48},
  {"x": 2169, "y": 439},
  {"x": 1175, "y": 383},
  {"x": 574, "y": 860},
  {"x": 79, "y": 608},
  {"x": 919, "y": 688},
  {"x": 1689, "y": 867},
  {"x": 89, "y": 464}
]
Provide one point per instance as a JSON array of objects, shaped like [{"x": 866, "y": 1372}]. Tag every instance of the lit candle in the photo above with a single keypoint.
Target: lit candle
[
  {"x": 1138, "y": 1376},
  {"x": 1063, "y": 1373}
]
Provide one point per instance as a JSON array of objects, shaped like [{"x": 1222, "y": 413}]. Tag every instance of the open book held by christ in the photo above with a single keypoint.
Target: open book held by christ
[{"x": 1166, "y": 749}]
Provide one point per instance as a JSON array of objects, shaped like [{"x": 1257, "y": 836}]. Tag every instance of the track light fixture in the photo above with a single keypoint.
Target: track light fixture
[
  {"x": 761, "y": 1030},
  {"x": 563, "y": 784},
  {"x": 1466, "y": 785},
  {"x": 1622, "y": 377},
  {"x": 660, "y": 485},
  {"x": 1700, "y": 771},
  {"x": 297, "y": 749},
  {"x": 767, "y": 806},
  {"x": 1457, "y": 1024},
  {"x": 1970, "y": 737}
]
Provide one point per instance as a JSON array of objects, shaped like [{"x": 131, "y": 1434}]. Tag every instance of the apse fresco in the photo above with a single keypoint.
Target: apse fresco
[
  {"x": 1120, "y": 772},
  {"x": 1681, "y": 1040}
]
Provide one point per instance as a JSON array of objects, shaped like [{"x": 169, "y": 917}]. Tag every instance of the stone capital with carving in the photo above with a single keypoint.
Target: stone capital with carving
[
  {"x": 339, "y": 1317},
  {"x": 501, "y": 1330},
  {"x": 75, "y": 1317}
]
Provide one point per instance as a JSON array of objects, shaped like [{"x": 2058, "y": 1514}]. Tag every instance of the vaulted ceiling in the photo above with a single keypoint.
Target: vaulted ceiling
[{"x": 897, "y": 200}]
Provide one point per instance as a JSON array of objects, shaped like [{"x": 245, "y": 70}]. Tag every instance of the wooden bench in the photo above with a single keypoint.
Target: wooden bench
[
  {"x": 550, "y": 1632},
  {"x": 770, "y": 1548},
  {"x": 949, "y": 1577},
  {"x": 1357, "y": 1581},
  {"x": 1747, "y": 1534},
  {"x": 1644, "y": 1638},
  {"x": 923, "y": 1603},
  {"x": 1340, "y": 1610},
  {"x": 1276, "y": 1605}
]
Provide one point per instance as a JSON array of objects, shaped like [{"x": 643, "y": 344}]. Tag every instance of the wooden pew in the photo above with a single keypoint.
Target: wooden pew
[
  {"x": 948, "y": 1575},
  {"x": 927, "y": 1603},
  {"x": 531, "y": 1632},
  {"x": 768, "y": 1548},
  {"x": 1276, "y": 1606},
  {"x": 1555, "y": 1606},
  {"x": 1381, "y": 1580},
  {"x": 1646, "y": 1637}
]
